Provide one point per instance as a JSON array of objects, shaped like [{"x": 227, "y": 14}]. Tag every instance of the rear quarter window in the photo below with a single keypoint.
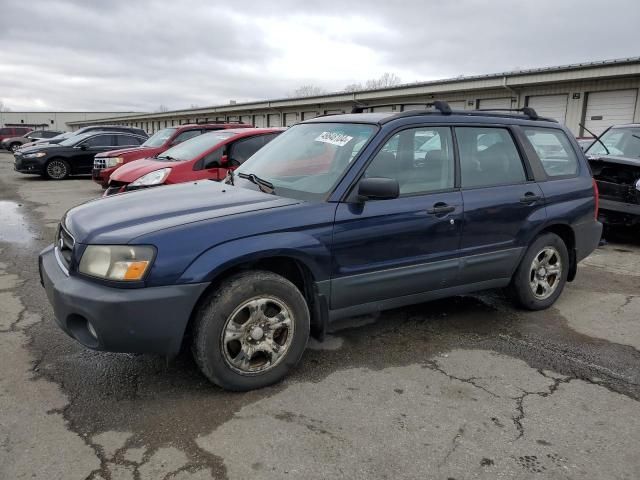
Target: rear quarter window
[{"x": 554, "y": 150}]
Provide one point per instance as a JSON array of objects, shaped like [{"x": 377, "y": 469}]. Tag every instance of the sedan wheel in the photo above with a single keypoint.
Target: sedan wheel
[
  {"x": 57, "y": 169},
  {"x": 14, "y": 148}
]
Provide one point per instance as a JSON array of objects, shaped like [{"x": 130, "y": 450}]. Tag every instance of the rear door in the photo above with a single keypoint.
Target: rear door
[
  {"x": 386, "y": 249},
  {"x": 502, "y": 203}
]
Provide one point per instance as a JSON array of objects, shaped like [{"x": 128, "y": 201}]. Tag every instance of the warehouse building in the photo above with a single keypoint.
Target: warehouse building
[
  {"x": 53, "y": 120},
  {"x": 596, "y": 94}
]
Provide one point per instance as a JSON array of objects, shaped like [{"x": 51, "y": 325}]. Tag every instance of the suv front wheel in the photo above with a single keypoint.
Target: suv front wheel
[
  {"x": 542, "y": 273},
  {"x": 250, "y": 331}
]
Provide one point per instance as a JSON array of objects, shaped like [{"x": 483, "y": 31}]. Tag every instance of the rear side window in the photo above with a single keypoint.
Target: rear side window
[
  {"x": 127, "y": 141},
  {"x": 5, "y": 131},
  {"x": 100, "y": 141},
  {"x": 488, "y": 156},
  {"x": 554, "y": 150}
]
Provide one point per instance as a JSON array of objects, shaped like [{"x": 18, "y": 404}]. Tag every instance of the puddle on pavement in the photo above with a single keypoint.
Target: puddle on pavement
[{"x": 13, "y": 225}]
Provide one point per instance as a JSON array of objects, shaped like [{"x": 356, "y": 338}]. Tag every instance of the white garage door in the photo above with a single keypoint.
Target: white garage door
[
  {"x": 308, "y": 115},
  {"x": 332, "y": 112},
  {"x": 246, "y": 119},
  {"x": 273, "y": 120},
  {"x": 290, "y": 119},
  {"x": 259, "y": 121},
  {"x": 609, "y": 108},
  {"x": 386, "y": 108},
  {"x": 500, "y": 103},
  {"x": 552, "y": 106}
]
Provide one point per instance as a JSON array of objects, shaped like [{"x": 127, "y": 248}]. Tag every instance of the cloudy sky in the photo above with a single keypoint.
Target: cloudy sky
[{"x": 140, "y": 54}]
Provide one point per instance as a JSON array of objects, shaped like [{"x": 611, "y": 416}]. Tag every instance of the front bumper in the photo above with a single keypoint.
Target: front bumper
[
  {"x": 135, "y": 320},
  {"x": 101, "y": 175},
  {"x": 27, "y": 165}
]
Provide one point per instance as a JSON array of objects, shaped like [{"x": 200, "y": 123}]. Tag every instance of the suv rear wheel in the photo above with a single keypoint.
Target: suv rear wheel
[
  {"x": 250, "y": 331},
  {"x": 542, "y": 273}
]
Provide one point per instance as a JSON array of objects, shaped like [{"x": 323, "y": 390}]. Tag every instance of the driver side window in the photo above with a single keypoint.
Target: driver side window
[
  {"x": 186, "y": 136},
  {"x": 213, "y": 159},
  {"x": 99, "y": 141},
  {"x": 420, "y": 159}
]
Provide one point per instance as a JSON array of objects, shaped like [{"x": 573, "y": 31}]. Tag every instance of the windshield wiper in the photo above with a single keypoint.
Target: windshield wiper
[
  {"x": 263, "y": 185},
  {"x": 167, "y": 157}
]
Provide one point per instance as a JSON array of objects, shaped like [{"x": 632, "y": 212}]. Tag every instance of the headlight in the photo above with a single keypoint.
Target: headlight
[
  {"x": 114, "y": 161},
  {"x": 154, "y": 178},
  {"x": 117, "y": 262},
  {"x": 35, "y": 155}
]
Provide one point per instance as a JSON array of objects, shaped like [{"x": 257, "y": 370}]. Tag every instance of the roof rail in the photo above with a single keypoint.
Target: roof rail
[{"x": 528, "y": 111}]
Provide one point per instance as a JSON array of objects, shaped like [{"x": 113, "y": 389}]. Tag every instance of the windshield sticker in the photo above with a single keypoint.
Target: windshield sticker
[{"x": 339, "y": 139}]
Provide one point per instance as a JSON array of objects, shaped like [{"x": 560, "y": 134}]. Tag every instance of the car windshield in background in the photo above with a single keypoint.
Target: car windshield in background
[
  {"x": 159, "y": 138},
  {"x": 624, "y": 142},
  {"x": 192, "y": 148},
  {"x": 62, "y": 136},
  {"x": 306, "y": 161},
  {"x": 71, "y": 141}
]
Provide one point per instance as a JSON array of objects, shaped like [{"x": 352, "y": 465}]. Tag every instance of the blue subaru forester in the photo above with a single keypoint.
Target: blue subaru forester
[{"x": 339, "y": 216}]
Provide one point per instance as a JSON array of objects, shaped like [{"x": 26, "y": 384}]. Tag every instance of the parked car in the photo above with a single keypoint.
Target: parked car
[
  {"x": 90, "y": 128},
  {"x": 10, "y": 132},
  {"x": 208, "y": 156},
  {"x": 615, "y": 163},
  {"x": 107, "y": 163},
  {"x": 243, "y": 270},
  {"x": 13, "y": 143},
  {"x": 54, "y": 140},
  {"x": 71, "y": 156}
]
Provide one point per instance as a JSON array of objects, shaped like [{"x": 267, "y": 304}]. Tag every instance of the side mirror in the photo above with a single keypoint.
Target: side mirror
[
  {"x": 224, "y": 160},
  {"x": 378, "y": 188},
  {"x": 83, "y": 146}
]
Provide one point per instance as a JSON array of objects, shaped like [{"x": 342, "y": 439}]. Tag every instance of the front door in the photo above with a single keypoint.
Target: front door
[
  {"x": 83, "y": 160},
  {"x": 385, "y": 249},
  {"x": 502, "y": 204}
]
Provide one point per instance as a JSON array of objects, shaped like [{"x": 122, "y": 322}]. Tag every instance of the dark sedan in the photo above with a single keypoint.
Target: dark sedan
[{"x": 72, "y": 156}]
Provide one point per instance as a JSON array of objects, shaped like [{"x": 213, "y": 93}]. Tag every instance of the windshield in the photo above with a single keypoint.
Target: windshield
[
  {"x": 194, "y": 147},
  {"x": 159, "y": 138},
  {"x": 624, "y": 142},
  {"x": 71, "y": 141},
  {"x": 306, "y": 161}
]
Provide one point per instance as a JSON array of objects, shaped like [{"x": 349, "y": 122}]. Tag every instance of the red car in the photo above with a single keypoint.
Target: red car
[
  {"x": 205, "y": 157},
  {"x": 8, "y": 132},
  {"x": 106, "y": 163}
]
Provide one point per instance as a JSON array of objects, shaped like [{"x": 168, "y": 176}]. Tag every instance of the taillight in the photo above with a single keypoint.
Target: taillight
[{"x": 596, "y": 194}]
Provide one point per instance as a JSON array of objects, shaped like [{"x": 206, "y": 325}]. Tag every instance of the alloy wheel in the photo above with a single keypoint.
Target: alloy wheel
[{"x": 545, "y": 273}]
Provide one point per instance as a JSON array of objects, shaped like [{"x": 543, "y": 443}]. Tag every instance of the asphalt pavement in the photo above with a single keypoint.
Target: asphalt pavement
[{"x": 463, "y": 388}]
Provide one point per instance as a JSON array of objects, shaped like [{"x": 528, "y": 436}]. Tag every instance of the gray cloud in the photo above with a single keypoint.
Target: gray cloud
[{"x": 136, "y": 55}]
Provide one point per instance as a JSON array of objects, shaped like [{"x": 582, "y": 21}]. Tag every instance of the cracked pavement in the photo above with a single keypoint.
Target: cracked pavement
[{"x": 461, "y": 388}]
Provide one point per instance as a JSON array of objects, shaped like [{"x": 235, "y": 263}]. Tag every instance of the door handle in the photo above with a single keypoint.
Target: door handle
[
  {"x": 441, "y": 209},
  {"x": 530, "y": 198}
]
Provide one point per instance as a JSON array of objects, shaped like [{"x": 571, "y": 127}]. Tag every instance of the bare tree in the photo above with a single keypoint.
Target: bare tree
[
  {"x": 307, "y": 91},
  {"x": 353, "y": 87},
  {"x": 386, "y": 80},
  {"x": 162, "y": 108}
]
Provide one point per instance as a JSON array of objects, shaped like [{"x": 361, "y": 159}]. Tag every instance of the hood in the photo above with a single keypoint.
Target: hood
[
  {"x": 134, "y": 170},
  {"x": 634, "y": 162},
  {"x": 38, "y": 148},
  {"x": 119, "y": 219},
  {"x": 130, "y": 152}
]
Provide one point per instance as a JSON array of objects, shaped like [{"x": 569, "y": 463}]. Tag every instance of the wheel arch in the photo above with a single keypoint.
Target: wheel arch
[
  {"x": 287, "y": 266},
  {"x": 566, "y": 233}
]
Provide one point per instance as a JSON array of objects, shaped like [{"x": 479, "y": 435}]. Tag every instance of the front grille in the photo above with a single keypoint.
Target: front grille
[
  {"x": 100, "y": 163},
  {"x": 64, "y": 247}
]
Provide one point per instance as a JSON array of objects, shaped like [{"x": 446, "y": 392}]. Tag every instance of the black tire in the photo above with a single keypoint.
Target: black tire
[
  {"x": 14, "y": 146},
  {"x": 57, "y": 169},
  {"x": 222, "y": 306},
  {"x": 525, "y": 277}
]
